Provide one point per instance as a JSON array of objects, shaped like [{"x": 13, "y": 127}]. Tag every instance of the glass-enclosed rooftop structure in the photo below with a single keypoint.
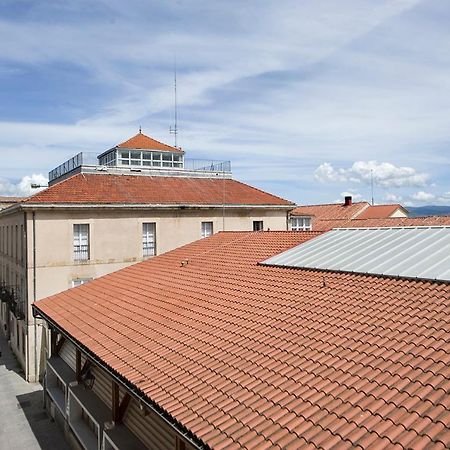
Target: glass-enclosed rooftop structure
[
  {"x": 143, "y": 151},
  {"x": 141, "y": 155}
]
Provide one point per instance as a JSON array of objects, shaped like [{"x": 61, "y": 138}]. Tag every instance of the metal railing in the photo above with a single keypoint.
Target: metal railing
[
  {"x": 12, "y": 296},
  {"x": 189, "y": 164},
  {"x": 82, "y": 158},
  {"x": 81, "y": 252}
]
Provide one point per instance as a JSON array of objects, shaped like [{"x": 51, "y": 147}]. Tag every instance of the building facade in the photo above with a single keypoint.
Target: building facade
[
  {"x": 96, "y": 219},
  {"x": 311, "y": 217}
]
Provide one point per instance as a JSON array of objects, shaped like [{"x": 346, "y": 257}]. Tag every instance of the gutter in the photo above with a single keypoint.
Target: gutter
[
  {"x": 149, "y": 206},
  {"x": 176, "y": 426}
]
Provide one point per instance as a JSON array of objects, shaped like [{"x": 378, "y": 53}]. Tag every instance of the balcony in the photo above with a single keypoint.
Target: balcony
[
  {"x": 59, "y": 376},
  {"x": 12, "y": 296},
  {"x": 87, "y": 415}
]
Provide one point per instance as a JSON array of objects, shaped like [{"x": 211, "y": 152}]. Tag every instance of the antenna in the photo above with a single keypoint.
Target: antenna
[
  {"x": 174, "y": 130},
  {"x": 371, "y": 183}
]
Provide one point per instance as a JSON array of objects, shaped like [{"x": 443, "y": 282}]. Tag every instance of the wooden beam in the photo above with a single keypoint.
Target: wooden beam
[
  {"x": 115, "y": 402},
  {"x": 78, "y": 365},
  {"x": 59, "y": 344},
  {"x": 180, "y": 445},
  {"x": 53, "y": 336},
  {"x": 123, "y": 406}
]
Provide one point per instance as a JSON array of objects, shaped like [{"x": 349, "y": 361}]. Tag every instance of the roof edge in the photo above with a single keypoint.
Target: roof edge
[
  {"x": 141, "y": 396},
  {"x": 43, "y": 205}
]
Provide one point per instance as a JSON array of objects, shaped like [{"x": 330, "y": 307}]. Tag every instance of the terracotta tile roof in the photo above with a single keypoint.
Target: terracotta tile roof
[
  {"x": 330, "y": 211},
  {"x": 143, "y": 142},
  {"x": 379, "y": 211},
  {"x": 159, "y": 190},
  {"x": 11, "y": 199},
  {"x": 250, "y": 356},
  {"x": 326, "y": 225}
]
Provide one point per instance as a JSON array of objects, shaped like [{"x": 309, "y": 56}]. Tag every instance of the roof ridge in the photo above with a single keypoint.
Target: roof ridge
[{"x": 331, "y": 204}]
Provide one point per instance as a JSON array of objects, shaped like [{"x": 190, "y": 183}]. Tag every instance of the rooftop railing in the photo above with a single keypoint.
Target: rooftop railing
[{"x": 189, "y": 165}]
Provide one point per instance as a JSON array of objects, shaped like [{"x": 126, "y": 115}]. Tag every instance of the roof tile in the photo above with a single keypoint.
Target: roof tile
[{"x": 259, "y": 357}]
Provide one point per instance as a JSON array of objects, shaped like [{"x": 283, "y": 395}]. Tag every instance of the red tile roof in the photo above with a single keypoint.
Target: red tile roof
[
  {"x": 11, "y": 199},
  {"x": 250, "y": 356},
  {"x": 380, "y": 211},
  {"x": 143, "y": 142},
  {"x": 326, "y": 225},
  {"x": 158, "y": 190},
  {"x": 330, "y": 211}
]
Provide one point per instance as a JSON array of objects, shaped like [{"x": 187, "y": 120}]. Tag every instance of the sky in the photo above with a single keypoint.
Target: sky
[{"x": 309, "y": 99}]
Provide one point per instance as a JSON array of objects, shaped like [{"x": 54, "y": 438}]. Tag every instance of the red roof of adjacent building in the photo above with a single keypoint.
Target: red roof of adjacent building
[
  {"x": 380, "y": 211},
  {"x": 158, "y": 190},
  {"x": 143, "y": 142},
  {"x": 326, "y": 225},
  {"x": 331, "y": 211},
  {"x": 250, "y": 356}
]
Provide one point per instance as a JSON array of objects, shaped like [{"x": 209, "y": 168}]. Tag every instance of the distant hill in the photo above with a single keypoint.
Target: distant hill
[{"x": 420, "y": 211}]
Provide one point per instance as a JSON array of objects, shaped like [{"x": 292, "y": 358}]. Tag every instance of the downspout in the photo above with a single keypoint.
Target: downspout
[
  {"x": 34, "y": 295},
  {"x": 25, "y": 261}
]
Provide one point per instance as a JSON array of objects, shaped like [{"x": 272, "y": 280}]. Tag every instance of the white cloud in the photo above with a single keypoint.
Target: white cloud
[
  {"x": 23, "y": 187},
  {"x": 422, "y": 196},
  {"x": 393, "y": 198},
  {"x": 384, "y": 174}
]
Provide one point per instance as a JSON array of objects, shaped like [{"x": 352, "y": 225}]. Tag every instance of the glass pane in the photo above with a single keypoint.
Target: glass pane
[
  {"x": 177, "y": 157},
  {"x": 167, "y": 157},
  {"x": 124, "y": 154},
  {"x": 136, "y": 155},
  {"x": 156, "y": 156},
  {"x": 146, "y": 155}
]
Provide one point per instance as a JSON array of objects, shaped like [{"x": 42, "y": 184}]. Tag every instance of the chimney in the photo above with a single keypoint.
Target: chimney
[{"x": 348, "y": 200}]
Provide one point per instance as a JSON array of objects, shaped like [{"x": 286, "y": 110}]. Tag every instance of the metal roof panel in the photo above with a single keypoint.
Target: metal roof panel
[{"x": 412, "y": 252}]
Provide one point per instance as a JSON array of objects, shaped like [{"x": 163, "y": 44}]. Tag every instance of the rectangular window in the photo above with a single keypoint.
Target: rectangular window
[
  {"x": 258, "y": 225},
  {"x": 148, "y": 239},
  {"x": 207, "y": 229},
  {"x": 81, "y": 242},
  {"x": 301, "y": 223}
]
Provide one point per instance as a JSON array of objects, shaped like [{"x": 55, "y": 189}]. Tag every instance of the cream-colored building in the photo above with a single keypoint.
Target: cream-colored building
[{"x": 140, "y": 199}]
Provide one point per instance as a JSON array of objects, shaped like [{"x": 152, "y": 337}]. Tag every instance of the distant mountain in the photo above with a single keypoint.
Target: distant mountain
[{"x": 420, "y": 211}]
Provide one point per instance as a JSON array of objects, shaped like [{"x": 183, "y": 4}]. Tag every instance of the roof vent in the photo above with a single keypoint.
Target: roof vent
[{"x": 348, "y": 200}]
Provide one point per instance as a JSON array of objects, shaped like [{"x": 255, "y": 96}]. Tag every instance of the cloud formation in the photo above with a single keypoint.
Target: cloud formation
[
  {"x": 384, "y": 174},
  {"x": 354, "y": 80},
  {"x": 23, "y": 187}
]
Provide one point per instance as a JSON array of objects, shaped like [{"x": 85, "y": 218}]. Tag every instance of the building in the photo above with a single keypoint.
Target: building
[
  {"x": 304, "y": 218},
  {"x": 255, "y": 340},
  {"x": 137, "y": 200},
  {"x": 8, "y": 201}
]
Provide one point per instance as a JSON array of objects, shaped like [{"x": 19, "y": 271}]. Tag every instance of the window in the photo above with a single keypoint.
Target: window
[
  {"x": 207, "y": 229},
  {"x": 301, "y": 223},
  {"x": 148, "y": 239},
  {"x": 81, "y": 242},
  {"x": 258, "y": 225},
  {"x": 80, "y": 281}
]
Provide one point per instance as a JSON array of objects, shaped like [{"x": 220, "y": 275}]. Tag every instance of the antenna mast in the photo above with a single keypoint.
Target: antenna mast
[
  {"x": 174, "y": 130},
  {"x": 371, "y": 183}
]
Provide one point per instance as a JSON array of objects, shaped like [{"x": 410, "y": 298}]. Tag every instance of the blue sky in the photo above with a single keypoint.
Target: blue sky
[{"x": 305, "y": 97}]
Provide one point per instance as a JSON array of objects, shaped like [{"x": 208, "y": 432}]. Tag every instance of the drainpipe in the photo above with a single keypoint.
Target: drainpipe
[
  {"x": 34, "y": 295},
  {"x": 24, "y": 257}
]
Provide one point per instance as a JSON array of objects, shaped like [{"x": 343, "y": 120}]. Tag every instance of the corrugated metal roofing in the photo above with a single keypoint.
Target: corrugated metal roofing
[{"x": 416, "y": 252}]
